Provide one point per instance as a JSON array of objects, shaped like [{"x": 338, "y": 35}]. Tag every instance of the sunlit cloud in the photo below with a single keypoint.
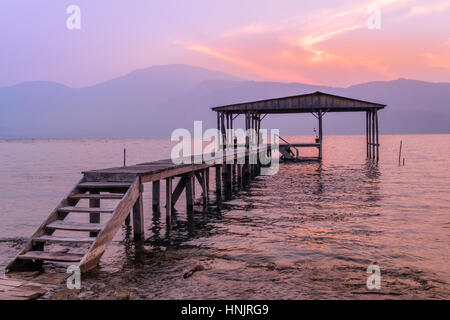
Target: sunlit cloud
[
  {"x": 258, "y": 69},
  {"x": 327, "y": 43},
  {"x": 252, "y": 29},
  {"x": 429, "y": 8}
]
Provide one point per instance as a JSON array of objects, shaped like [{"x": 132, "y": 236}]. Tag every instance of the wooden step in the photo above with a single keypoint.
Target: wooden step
[
  {"x": 104, "y": 185},
  {"x": 85, "y": 209},
  {"x": 97, "y": 196},
  {"x": 75, "y": 226},
  {"x": 51, "y": 256},
  {"x": 64, "y": 239}
]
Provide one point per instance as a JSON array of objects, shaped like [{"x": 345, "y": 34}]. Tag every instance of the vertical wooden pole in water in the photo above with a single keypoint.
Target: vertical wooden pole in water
[
  {"x": 204, "y": 187},
  {"x": 222, "y": 125},
  {"x": 189, "y": 192},
  {"x": 218, "y": 128},
  {"x": 400, "y": 152},
  {"x": 377, "y": 136},
  {"x": 235, "y": 165},
  {"x": 94, "y": 217},
  {"x": 138, "y": 216},
  {"x": 258, "y": 141},
  {"x": 373, "y": 135},
  {"x": 367, "y": 134},
  {"x": 169, "y": 199},
  {"x": 252, "y": 127},
  {"x": 320, "y": 134},
  {"x": 247, "y": 142},
  {"x": 218, "y": 182},
  {"x": 228, "y": 166},
  {"x": 206, "y": 173},
  {"x": 156, "y": 196},
  {"x": 239, "y": 176}
]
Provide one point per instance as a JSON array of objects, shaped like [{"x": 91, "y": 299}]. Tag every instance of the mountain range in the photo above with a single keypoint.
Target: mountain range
[{"x": 152, "y": 102}]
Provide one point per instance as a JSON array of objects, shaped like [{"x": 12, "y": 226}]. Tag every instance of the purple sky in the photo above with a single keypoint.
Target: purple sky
[{"x": 322, "y": 42}]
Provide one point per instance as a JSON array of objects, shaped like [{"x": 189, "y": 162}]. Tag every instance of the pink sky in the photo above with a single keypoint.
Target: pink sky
[
  {"x": 319, "y": 42},
  {"x": 334, "y": 46}
]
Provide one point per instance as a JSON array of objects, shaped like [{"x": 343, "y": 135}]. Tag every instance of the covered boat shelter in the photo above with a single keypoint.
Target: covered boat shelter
[{"x": 317, "y": 103}]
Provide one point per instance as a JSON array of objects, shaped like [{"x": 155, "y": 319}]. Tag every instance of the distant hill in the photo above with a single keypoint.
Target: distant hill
[{"x": 154, "y": 101}]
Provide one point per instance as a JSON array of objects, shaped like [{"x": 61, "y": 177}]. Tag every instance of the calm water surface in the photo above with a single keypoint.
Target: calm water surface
[{"x": 308, "y": 232}]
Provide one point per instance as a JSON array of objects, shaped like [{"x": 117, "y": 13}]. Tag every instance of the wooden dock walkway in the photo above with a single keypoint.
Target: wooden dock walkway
[
  {"x": 28, "y": 285},
  {"x": 125, "y": 186}
]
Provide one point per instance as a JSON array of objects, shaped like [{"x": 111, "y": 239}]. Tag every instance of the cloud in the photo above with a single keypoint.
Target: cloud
[
  {"x": 429, "y": 8},
  {"x": 327, "y": 46},
  {"x": 254, "y": 67}
]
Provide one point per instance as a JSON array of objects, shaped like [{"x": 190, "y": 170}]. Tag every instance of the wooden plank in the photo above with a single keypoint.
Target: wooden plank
[
  {"x": 23, "y": 294},
  {"x": 75, "y": 226},
  {"x": 51, "y": 256},
  {"x": 122, "y": 210},
  {"x": 64, "y": 239},
  {"x": 97, "y": 196},
  {"x": 103, "y": 185},
  {"x": 10, "y": 283},
  {"x": 86, "y": 210}
]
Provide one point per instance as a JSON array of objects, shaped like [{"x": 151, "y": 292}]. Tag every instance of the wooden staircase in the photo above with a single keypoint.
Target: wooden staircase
[{"x": 90, "y": 237}]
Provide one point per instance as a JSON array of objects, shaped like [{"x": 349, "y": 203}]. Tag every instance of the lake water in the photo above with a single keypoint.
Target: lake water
[{"x": 308, "y": 232}]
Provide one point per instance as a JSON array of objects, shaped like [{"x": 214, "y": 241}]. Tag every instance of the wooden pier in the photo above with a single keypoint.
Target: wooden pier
[{"x": 125, "y": 185}]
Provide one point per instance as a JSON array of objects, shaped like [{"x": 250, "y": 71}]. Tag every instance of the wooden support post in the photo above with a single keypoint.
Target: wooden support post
[
  {"x": 247, "y": 126},
  {"x": 320, "y": 134},
  {"x": 218, "y": 182},
  {"x": 189, "y": 179},
  {"x": 206, "y": 172},
  {"x": 219, "y": 130},
  {"x": 201, "y": 177},
  {"x": 367, "y": 134},
  {"x": 228, "y": 182},
  {"x": 138, "y": 217},
  {"x": 373, "y": 135},
  {"x": 224, "y": 137},
  {"x": 169, "y": 201},
  {"x": 377, "y": 137},
  {"x": 178, "y": 190},
  {"x": 94, "y": 217},
  {"x": 240, "y": 177},
  {"x": 156, "y": 196},
  {"x": 205, "y": 188},
  {"x": 235, "y": 178}
]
